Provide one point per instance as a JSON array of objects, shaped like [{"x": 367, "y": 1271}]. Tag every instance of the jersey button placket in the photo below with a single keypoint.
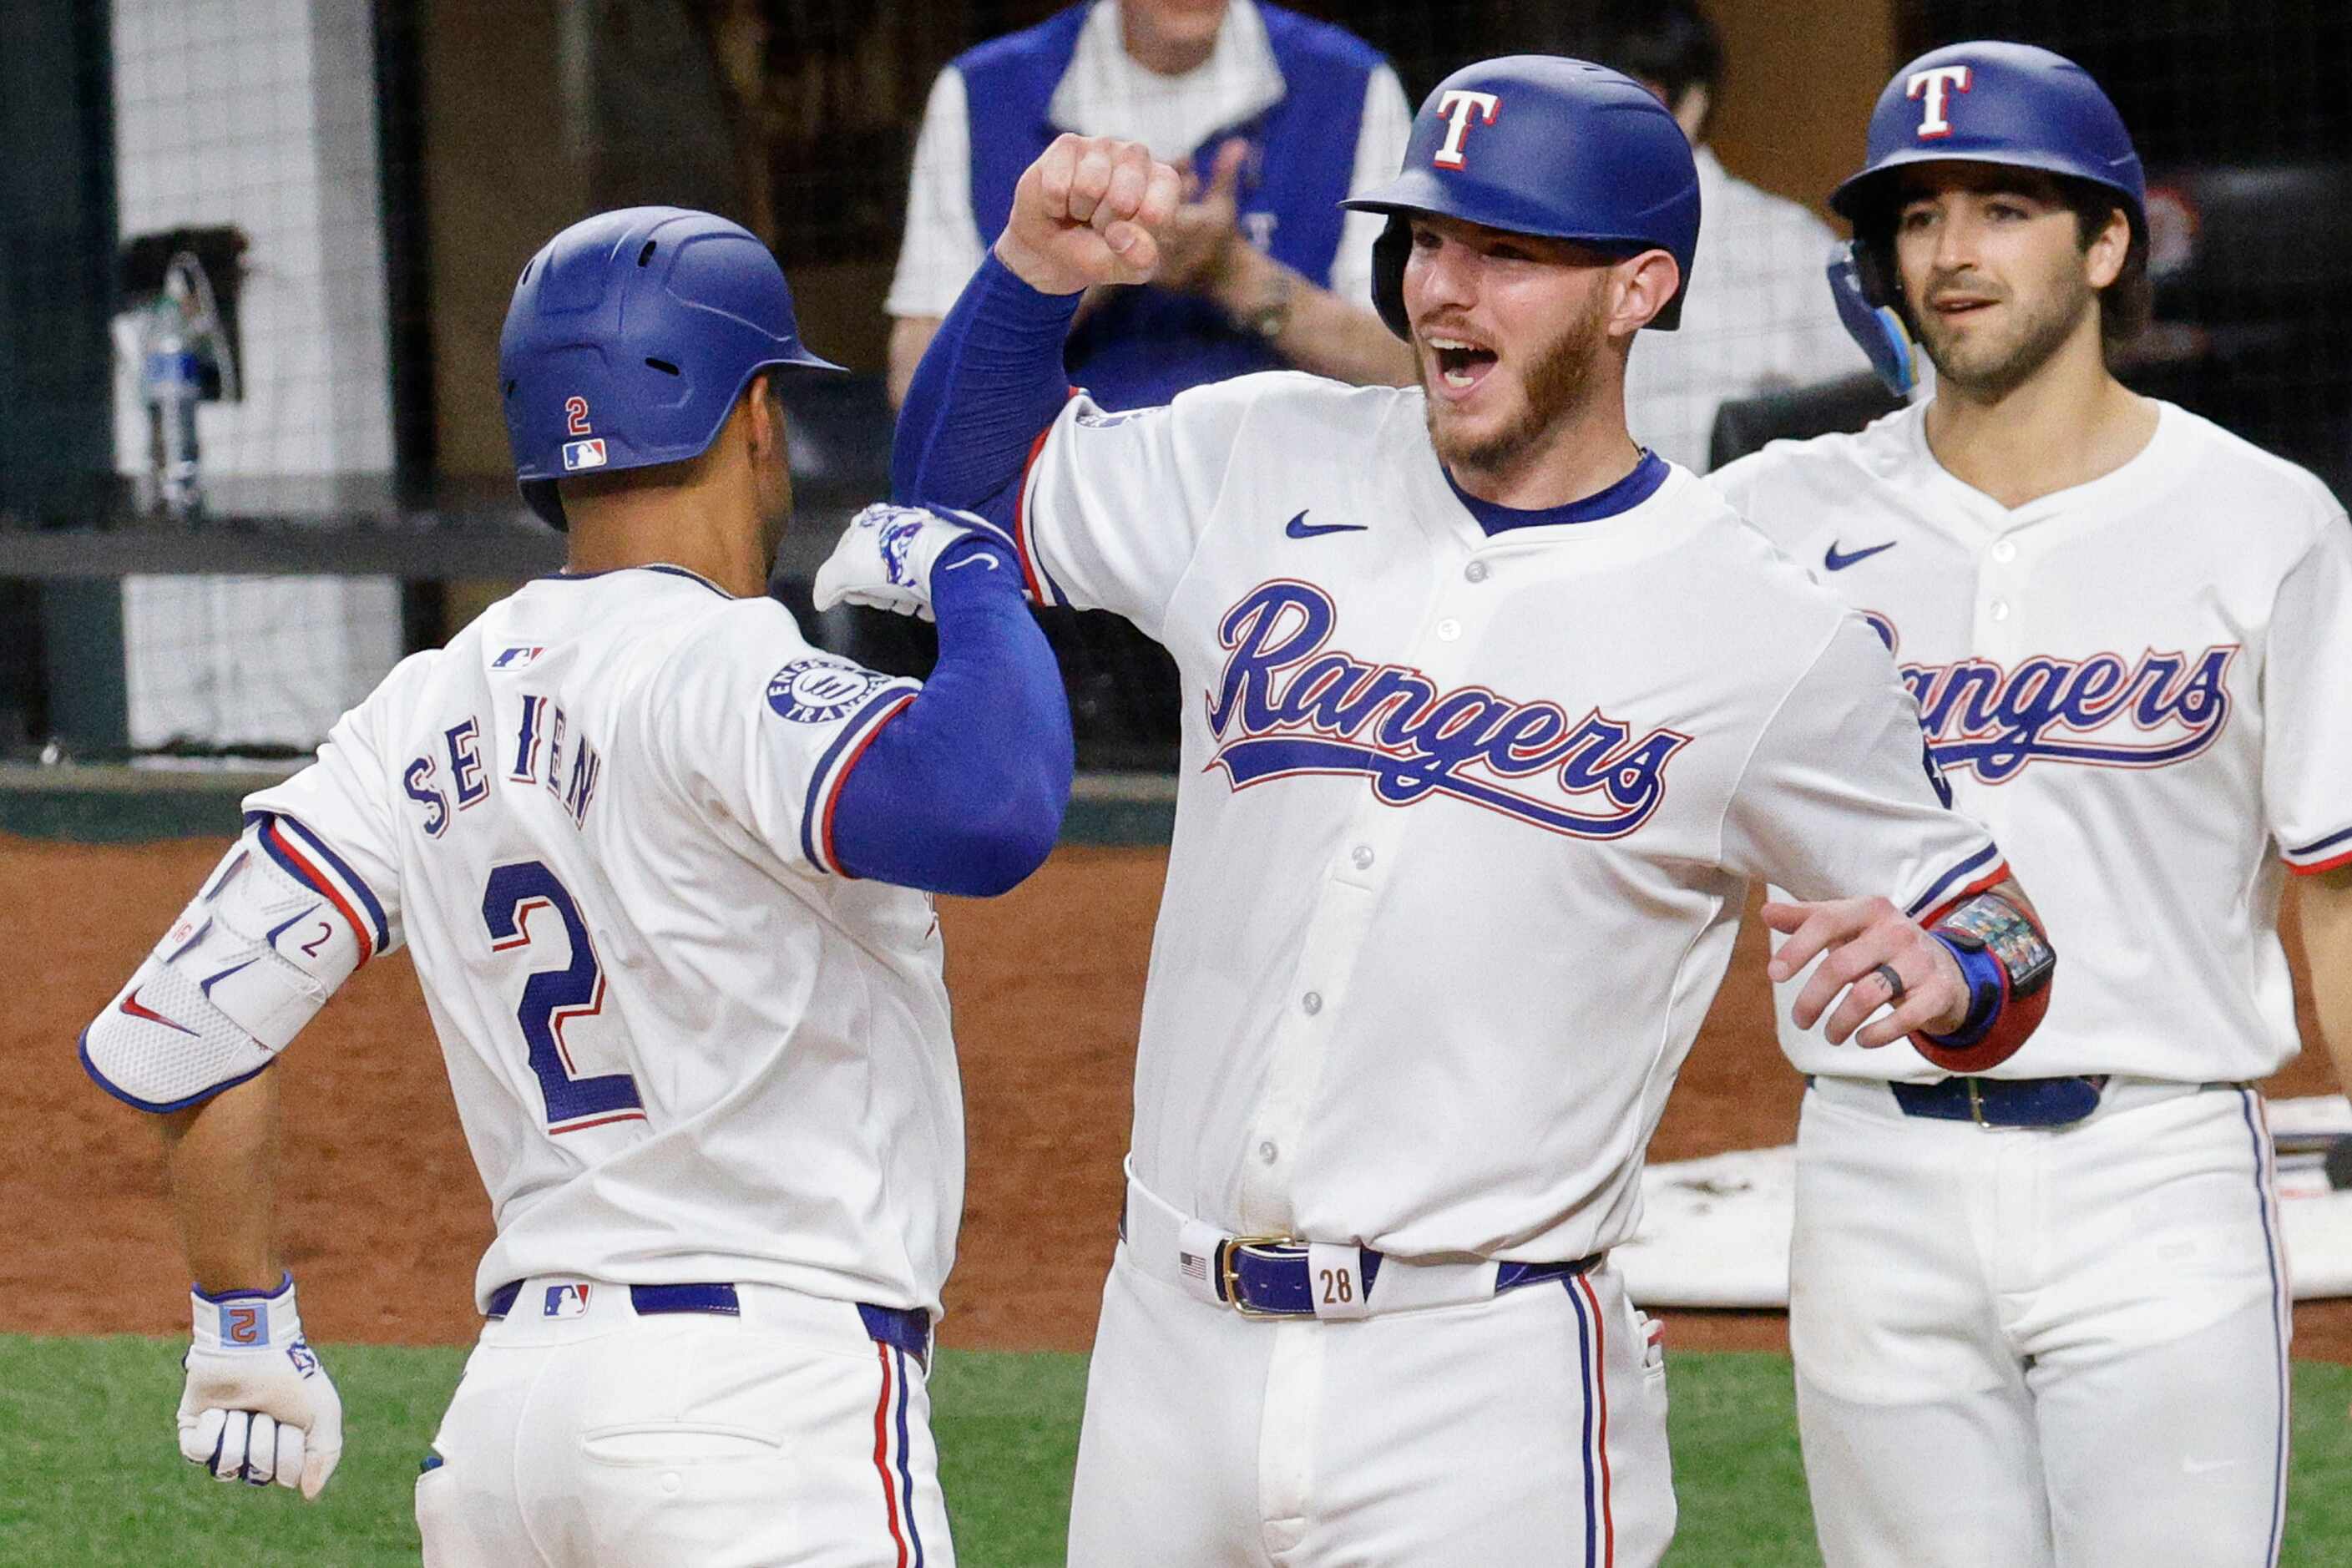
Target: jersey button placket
[
  {"x": 1448, "y": 636},
  {"x": 1336, "y": 930},
  {"x": 1999, "y": 576}
]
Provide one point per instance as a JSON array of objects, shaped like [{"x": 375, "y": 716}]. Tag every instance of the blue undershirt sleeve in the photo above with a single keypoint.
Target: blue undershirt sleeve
[
  {"x": 989, "y": 384},
  {"x": 963, "y": 791}
]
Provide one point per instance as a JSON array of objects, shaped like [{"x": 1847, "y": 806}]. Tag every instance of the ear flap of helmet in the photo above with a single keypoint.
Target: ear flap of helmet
[
  {"x": 541, "y": 496},
  {"x": 1389, "y": 253},
  {"x": 1859, "y": 281}
]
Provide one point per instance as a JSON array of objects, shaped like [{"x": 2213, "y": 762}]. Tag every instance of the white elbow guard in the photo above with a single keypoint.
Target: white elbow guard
[{"x": 245, "y": 965}]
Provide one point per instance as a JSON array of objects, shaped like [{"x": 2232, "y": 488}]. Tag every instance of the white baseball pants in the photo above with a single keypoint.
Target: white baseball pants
[
  {"x": 783, "y": 1438},
  {"x": 1529, "y": 1427},
  {"x": 2040, "y": 1348}
]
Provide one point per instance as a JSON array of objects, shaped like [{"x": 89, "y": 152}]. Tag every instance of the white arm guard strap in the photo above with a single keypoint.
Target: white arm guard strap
[{"x": 239, "y": 974}]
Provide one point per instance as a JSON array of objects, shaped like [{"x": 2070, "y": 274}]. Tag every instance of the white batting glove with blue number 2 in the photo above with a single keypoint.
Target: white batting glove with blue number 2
[
  {"x": 258, "y": 1406},
  {"x": 887, "y": 554}
]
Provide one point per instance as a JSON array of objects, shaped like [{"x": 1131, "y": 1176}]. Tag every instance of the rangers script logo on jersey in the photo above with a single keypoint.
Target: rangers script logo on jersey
[
  {"x": 1295, "y": 709},
  {"x": 1995, "y": 721}
]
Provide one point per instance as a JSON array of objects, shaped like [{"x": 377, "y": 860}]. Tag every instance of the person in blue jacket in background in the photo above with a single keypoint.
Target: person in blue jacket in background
[{"x": 1278, "y": 118}]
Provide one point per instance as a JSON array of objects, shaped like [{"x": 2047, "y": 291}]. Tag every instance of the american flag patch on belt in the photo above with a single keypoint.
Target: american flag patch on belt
[{"x": 1194, "y": 1266}]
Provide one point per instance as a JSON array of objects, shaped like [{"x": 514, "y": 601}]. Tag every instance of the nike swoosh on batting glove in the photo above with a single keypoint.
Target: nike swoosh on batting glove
[{"x": 886, "y": 556}]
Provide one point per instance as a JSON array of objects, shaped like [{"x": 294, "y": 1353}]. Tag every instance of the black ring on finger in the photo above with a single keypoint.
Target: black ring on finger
[{"x": 1895, "y": 987}]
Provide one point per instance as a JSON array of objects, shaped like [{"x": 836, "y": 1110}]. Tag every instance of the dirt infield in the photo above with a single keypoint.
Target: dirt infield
[{"x": 383, "y": 1214}]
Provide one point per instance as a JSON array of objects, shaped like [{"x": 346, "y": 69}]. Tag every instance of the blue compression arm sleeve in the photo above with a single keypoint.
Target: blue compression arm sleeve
[
  {"x": 989, "y": 384},
  {"x": 963, "y": 791}
]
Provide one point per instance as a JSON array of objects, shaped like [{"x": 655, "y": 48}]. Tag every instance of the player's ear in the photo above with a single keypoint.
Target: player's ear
[
  {"x": 763, "y": 408},
  {"x": 2107, "y": 251},
  {"x": 1645, "y": 284}
]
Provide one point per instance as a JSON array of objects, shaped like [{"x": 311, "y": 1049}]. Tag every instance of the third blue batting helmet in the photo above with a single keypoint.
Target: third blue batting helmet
[
  {"x": 1986, "y": 102},
  {"x": 1539, "y": 145},
  {"x": 630, "y": 338},
  {"x": 1996, "y": 104}
]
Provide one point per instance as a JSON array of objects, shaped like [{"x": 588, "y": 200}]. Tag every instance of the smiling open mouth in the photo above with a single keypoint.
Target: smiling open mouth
[{"x": 1461, "y": 364}]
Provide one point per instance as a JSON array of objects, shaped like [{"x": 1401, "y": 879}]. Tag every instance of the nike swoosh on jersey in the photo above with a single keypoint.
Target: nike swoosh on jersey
[
  {"x": 1299, "y": 528},
  {"x": 132, "y": 1006},
  {"x": 981, "y": 556},
  {"x": 1837, "y": 562}
]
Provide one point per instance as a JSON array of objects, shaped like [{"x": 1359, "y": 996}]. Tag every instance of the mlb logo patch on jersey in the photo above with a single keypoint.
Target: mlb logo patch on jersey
[
  {"x": 566, "y": 1302},
  {"x": 587, "y": 454},
  {"x": 817, "y": 690},
  {"x": 516, "y": 657}
]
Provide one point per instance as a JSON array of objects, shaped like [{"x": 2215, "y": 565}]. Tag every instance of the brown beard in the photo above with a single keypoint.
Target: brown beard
[
  {"x": 1558, "y": 380},
  {"x": 2041, "y": 334}
]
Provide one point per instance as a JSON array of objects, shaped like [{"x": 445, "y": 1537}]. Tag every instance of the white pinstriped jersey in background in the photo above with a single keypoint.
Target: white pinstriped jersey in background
[{"x": 1758, "y": 317}]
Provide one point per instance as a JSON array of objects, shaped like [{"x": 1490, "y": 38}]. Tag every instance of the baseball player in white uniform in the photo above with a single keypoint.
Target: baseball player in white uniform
[
  {"x": 2039, "y": 1309},
  {"x": 1494, "y": 716},
  {"x": 663, "y": 869}
]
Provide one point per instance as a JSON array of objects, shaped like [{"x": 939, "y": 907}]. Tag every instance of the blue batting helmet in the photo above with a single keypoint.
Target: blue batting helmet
[
  {"x": 1540, "y": 144},
  {"x": 1996, "y": 104},
  {"x": 1986, "y": 102},
  {"x": 630, "y": 338}
]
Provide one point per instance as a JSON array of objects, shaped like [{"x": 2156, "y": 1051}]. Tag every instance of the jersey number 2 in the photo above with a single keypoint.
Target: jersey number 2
[{"x": 553, "y": 996}]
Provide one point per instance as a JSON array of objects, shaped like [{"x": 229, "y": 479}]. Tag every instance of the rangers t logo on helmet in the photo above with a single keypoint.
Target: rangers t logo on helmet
[
  {"x": 1455, "y": 107},
  {"x": 1933, "y": 86}
]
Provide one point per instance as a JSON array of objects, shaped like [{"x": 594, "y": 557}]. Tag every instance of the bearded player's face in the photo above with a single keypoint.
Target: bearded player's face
[
  {"x": 1509, "y": 333},
  {"x": 1995, "y": 271}
]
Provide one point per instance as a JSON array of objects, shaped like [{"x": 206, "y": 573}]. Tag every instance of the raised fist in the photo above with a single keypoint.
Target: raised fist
[{"x": 1089, "y": 211}]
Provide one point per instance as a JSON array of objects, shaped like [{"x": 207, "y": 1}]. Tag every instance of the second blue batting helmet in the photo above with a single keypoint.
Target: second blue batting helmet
[
  {"x": 1987, "y": 102},
  {"x": 1996, "y": 104},
  {"x": 630, "y": 337},
  {"x": 1539, "y": 145}
]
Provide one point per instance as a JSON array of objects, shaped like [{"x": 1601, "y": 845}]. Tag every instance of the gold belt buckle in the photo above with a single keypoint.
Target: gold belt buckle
[
  {"x": 1976, "y": 1105},
  {"x": 1231, "y": 1276}
]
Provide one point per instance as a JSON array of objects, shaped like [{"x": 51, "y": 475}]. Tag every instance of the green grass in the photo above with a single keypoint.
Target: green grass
[{"x": 94, "y": 1476}]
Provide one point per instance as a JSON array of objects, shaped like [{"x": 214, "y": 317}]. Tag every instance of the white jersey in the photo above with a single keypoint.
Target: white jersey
[
  {"x": 2143, "y": 684},
  {"x": 682, "y": 1046},
  {"x": 1464, "y": 823}
]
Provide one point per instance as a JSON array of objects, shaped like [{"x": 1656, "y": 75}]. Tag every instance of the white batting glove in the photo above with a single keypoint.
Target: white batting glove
[
  {"x": 886, "y": 553},
  {"x": 258, "y": 1406}
]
